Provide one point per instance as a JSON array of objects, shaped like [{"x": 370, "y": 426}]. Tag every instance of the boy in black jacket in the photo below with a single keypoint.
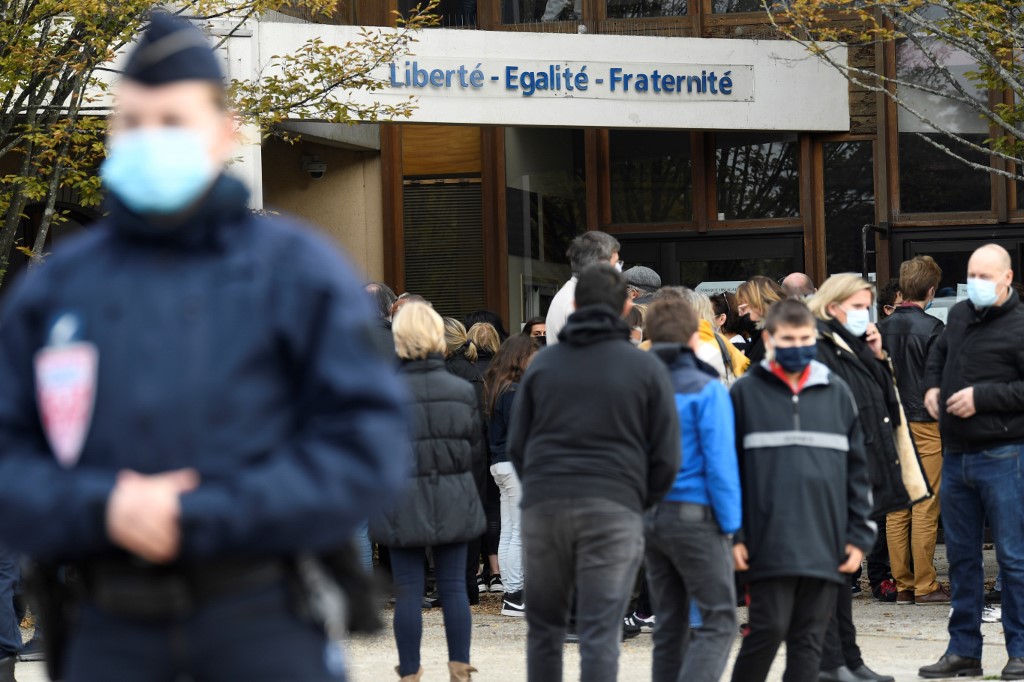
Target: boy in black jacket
[{"x": 806, "y": 496}]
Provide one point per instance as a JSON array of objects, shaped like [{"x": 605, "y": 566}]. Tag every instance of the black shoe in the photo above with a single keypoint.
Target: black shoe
[
  {"x": 1014, "y": 669},
  {"x": 33, "y": 651},
  {"x": 951, "y": 665},
  {"x": 630, "y": 628},
  {"x": 994, "y": 597},
  {"x": 840, "y": 674},
  {"x": 513, "y": 605},
  {"x": 473, "y": 596},
  {"x": 868, "y": 675},
  {"x": 7, "y": 669}
]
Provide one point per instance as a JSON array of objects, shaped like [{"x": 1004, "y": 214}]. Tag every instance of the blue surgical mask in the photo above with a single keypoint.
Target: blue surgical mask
[
  {"x": 981, "y": 292},
  {"x": 857, "y": 321},
  {"x": 796, "y": 358},
  {"x": 158, "y": 170}
]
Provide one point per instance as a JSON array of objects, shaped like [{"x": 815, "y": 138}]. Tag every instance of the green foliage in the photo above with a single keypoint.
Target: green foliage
[{"x": 53, "y": 54}]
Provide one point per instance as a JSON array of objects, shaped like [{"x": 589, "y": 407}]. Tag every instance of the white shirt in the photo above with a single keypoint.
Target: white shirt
[{"x": 562, "y": 306}]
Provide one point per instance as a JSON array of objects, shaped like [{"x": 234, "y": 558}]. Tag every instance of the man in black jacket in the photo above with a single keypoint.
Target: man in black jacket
[
  {"x": 975, "y": 387},
  {"x": 595, "y": 440},
  {"x": 806, "y": 496},
  {"x": 908, "y": 335}
]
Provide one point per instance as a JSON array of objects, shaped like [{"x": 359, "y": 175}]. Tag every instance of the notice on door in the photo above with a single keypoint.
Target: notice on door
[{"x": 715, "y": 288}]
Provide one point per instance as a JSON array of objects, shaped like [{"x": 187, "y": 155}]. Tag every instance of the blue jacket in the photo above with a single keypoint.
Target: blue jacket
[
  {"x": 237, "y": 345},
  {"x": 709, "y": 474}
]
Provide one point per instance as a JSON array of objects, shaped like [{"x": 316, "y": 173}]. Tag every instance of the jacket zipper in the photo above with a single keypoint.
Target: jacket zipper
[{"x": 796, "y": 412}]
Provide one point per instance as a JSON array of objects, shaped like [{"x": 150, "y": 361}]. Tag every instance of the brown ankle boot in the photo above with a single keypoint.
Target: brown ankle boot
[
  {"x": 460, "y": 672},
  {"x": 415, "y": 677}
]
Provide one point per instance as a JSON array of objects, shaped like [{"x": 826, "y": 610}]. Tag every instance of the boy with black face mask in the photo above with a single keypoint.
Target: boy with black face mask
[{"x": 806, "y": 496}]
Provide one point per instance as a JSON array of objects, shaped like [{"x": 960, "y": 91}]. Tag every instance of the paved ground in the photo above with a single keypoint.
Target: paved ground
[{"x": 895, "y": 640}]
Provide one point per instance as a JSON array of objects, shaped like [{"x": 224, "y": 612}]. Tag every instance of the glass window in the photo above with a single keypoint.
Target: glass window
[
  {"x": 758, "y": 175},
  {"x": 546, "y": 207},
  {"x": 530, "y": 11},
  {"x": 640, "y": 9},
  {"x": 651, "y": 176},
  {"x": 726, "y": 6},
  {"x": 692, "y": 273},
  {"x": 930, "y": 179},
  {"x": 452, "y": 13},
  {"x": 849, "y": 203}
]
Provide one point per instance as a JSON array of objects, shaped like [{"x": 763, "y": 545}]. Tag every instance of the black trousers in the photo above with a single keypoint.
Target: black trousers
[
  {"x": 878, "y": 559},
  {"x": 840, "y": 646},
  {"x": 792, "y": 610}
]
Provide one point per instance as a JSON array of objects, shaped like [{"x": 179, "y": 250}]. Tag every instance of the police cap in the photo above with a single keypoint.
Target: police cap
[{"x": 171, "y": 50}]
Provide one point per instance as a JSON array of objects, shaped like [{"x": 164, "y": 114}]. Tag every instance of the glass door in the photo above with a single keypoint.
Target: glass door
[{"x": 690, "y": 260}]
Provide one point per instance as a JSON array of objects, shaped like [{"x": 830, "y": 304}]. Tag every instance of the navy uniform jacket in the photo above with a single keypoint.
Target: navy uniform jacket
[{"x": 236, "y": 345}]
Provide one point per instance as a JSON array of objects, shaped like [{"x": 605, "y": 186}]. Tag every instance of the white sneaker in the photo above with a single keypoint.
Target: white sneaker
[{"x": 993, "y": 613}]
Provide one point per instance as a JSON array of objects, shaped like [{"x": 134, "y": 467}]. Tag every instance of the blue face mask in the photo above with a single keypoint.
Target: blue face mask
[
  {"x": 158, "y": 170},
  {"x": 982, "y": 292},
  {"x": 857, "y": 322},
  {"x": 796, "y": 358}
]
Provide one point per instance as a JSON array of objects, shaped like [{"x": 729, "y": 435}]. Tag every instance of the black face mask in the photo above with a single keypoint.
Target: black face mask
[{"x": 747, "y": 327}]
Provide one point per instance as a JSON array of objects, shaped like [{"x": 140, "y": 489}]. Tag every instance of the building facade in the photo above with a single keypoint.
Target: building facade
[{"x": 473, "y": 202}]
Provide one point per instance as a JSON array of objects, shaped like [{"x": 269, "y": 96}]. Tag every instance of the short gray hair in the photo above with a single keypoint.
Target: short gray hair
[
  {"x": 699, "y": 302},
  {"x": 590, "y": 248}
]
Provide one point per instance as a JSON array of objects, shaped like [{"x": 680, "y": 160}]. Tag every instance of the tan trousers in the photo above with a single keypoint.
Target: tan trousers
[{"x": 913, "y": 532}]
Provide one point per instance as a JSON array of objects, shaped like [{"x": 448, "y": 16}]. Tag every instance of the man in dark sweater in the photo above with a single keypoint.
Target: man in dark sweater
[
  {"x": 595, "y": 440},
  {"x": 806, "y": 496},
  {"x": 974, "y": 387}
]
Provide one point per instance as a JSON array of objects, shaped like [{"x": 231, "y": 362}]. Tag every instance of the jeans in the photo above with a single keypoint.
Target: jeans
[
  {"x": 10, "y": 623},
  {"x": 912, "y": 532},
  {"x": 988, "y": 483},
  {"x": 596, "y": 546},
  {"x": 236, "y": 637},
  {"x": 688, "y": 558},
  {"x": 510, "y": 546},
  {"x": 365, "y": 547},
  {"x": 407, "y": 567},
  {"x": 791, "y": 610}
]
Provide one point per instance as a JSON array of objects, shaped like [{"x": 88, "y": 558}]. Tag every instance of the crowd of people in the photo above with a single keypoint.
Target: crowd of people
[
  {"x": 192, "y": 428},
  {"x": 657, "y": 456}
]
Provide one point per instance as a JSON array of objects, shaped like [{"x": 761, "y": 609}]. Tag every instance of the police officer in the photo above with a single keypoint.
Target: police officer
[{"x": 189, "y": 401}]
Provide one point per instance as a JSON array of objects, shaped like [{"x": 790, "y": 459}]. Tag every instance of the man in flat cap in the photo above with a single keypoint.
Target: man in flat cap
[
  {"x": 641, "y": 281},
  {"x": 190, "y": 402}
]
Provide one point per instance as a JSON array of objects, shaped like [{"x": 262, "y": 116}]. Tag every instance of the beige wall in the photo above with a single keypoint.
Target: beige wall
[{"x": 345, "y": 202}]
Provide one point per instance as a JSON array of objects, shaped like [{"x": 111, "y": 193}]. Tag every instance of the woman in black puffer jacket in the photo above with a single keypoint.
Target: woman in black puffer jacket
[
  {"x": 850, "y": 345},
  {"x": 441, "y": 509}
]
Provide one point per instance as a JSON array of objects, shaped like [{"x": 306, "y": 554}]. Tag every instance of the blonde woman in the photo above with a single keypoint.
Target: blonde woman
[
  {"x": 850, "y": 345},
  {"x": 441, "y": 508},
  {"x": 754, "y": 297},
  {"x": 486, "y": 339},
  {"x": 468, "y": 356},
  {"x": 714, "y": 349}
]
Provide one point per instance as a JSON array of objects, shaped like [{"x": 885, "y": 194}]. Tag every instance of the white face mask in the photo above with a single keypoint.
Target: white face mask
[{"x": 857, "y": 321}]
